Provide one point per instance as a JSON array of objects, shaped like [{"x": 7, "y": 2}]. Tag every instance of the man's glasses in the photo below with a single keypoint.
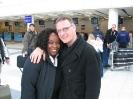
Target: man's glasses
[{"x": 65, "y": 29}]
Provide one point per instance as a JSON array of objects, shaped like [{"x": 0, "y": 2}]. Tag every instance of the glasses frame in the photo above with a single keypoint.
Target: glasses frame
[{"x": 65, "y": 29}]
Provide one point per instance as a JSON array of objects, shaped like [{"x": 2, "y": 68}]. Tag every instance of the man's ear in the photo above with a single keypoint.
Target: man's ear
[{"x": 74, "y": 26}]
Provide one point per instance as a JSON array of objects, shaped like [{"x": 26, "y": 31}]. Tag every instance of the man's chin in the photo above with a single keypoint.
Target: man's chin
[{"x": 64, "y": 41}]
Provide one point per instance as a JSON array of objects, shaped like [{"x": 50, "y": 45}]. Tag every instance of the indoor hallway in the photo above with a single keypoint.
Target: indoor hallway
[{"x": 116, "y": 84}]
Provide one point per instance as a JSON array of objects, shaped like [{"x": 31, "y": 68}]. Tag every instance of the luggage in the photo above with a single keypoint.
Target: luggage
[
  {"x": 5, "y": 92},
  {"x": 114, "y": 46},
  {"x": 20, "y": 61},
  {"x": 123, "y": 58}
]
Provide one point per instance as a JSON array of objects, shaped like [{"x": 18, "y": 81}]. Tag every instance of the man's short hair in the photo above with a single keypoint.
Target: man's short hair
[
  {"x": 32, "y": 25},
  {"x": 62, "y": 18}
]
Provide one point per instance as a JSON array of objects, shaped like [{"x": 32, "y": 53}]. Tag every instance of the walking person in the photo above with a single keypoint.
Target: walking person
[
  {"x": 99, "y": 38},
  {"x": 38, "y": 80},
  {"x": 97, "y": 43},
  {"x": 123, "y": 38},
  {"x": 4, "y": 55},
  {"x": 79, "y": 61}
]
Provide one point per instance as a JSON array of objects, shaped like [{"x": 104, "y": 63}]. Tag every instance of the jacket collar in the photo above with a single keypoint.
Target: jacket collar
[
  {"x": 54, "y": 60},
  {"x": 72, "y": 53},
  {"x": 79, "y": 45}
]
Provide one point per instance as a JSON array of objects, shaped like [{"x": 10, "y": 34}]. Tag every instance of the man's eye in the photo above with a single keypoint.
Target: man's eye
[{"x": 65, "y": 29}]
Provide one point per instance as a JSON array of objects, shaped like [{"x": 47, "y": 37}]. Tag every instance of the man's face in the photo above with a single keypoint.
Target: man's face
[
  {"x": 123, "y": 28},
  {"x": 32, "y": 28},
  {"x": 113, "y": 27},
  {"x": 66, "y": 31}
]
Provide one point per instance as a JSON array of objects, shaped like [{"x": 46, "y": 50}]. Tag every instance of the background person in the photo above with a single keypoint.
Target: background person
[
  {"x": 99, "y": 38},
  {"x": 79, "y": 61},
  {"x": 131, "y": 39},
  {"x": 123, "y": 38},
  {"x": 29, "y": 40},
  {"x": 98, "y": 33},
  {"x": 38, "y": 80},
  {"x": 4, "y": 55},
  {"x": 110, "y": 36},
  {"x": 97, "y": 43}
]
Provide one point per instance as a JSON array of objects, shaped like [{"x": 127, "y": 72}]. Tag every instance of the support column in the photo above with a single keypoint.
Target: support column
[{"x": 113, "y": 18}]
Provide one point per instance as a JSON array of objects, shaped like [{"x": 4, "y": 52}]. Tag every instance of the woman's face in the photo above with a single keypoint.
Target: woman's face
[{"x": 53, "y": 44}]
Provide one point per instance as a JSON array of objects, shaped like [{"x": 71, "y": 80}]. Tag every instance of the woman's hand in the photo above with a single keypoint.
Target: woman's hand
[
  {"x": 36, "y": 55},
  {"x": 7, "y": 61}
]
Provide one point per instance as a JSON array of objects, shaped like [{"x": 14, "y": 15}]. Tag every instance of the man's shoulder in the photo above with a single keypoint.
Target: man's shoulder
[
  {"x": 109, "y": 30},
  {"x": 89, "y": 47},
  {"x": 89, "y": 51},
  {"x": 26, "y": 34}
]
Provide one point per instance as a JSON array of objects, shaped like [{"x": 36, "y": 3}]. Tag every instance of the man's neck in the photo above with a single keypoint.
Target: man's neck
[{"x": 72, "y": 42}]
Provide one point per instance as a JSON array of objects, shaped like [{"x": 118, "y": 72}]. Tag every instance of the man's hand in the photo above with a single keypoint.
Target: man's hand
[
  {"x": 109, "y": 45},
  {"x": 36, "y": 55}
]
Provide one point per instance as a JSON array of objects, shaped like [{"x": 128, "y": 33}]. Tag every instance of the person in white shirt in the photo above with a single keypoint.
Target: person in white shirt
[
  {"x": 97, "y": 43},
  {"x": 4, "y": 55}
]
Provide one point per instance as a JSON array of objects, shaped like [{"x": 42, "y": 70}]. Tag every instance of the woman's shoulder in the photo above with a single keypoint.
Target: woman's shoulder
[{"x": 32, "y": 66}]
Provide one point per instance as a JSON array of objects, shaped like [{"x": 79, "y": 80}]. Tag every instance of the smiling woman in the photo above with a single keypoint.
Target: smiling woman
[{"x": 38, "y": 80}]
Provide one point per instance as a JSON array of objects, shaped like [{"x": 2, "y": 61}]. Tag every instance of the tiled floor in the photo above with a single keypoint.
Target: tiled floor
[{"x": 115, "y": 84}]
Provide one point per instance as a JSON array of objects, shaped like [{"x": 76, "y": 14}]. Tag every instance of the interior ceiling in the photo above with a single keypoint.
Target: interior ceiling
[{"x": 101, "y": 13}]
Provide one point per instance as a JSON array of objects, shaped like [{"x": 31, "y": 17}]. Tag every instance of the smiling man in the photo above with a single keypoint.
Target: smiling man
[{"x": 79, "y": 63}]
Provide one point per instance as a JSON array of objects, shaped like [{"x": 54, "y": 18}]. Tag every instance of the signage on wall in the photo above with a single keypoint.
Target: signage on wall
[{"x": 28, "y": 19}]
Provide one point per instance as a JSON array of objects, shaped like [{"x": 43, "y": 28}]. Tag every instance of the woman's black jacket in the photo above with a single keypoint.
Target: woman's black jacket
[{"x": 38, "y": 80}]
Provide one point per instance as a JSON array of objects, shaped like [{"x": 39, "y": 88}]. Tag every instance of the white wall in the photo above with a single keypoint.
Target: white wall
[{"x": 42, "y": 6}]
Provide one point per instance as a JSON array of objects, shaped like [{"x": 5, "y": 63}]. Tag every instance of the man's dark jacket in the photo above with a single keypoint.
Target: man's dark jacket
[
  {"x": 80, "y": 71},
  {"x": 110, "y": 36},
  {"x": 123, "y": 37}
]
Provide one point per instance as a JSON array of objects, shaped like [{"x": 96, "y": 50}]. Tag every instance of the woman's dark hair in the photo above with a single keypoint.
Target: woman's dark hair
[{"x": 43, "y": 37}]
